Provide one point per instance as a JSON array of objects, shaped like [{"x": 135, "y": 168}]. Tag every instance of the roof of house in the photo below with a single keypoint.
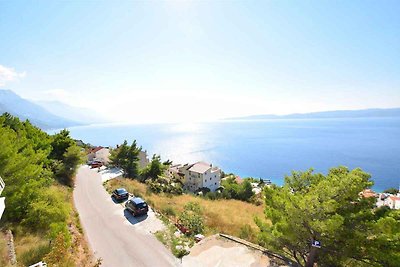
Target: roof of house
[
  {"x": 200, "y": 167},
  {"x": 368, "y": 193},
  {"x": 394, "y": 198},
  {"x": 95, "y": 149}
]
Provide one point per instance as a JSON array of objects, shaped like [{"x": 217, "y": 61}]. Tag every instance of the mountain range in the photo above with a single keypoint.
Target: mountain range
[
  {"x": 46, "y": 115},
  {"x": 77, "y": 114},
  {"x": 362, "y": 113}
]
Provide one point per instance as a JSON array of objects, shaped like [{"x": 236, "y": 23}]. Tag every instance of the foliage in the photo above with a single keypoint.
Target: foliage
[
  {"x": 191, "y": 218},
  {"x": 392, "y": 191},
  {"x": 232, "y": 189},
  {"x": 30, "y": 160},
  {"x": 60, "y": 144},
  {"x": 247, "y": 232},
  {"x": 49, "y": 208},
  {"x": 164, "y": 185},
  {"x": 311, "y": 206},
  {"x": 155, "y": 169},
  {"x": 67, "y": 169},
  {"x": 59, "y": 254},
  {"x": 127, "y": 158}
]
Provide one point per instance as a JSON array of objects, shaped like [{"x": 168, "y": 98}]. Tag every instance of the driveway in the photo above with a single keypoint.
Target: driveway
[{"x": 114, "y": 234}]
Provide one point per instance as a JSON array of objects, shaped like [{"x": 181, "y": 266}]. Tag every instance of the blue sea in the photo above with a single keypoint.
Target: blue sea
[{"x": 268, "y": 148}]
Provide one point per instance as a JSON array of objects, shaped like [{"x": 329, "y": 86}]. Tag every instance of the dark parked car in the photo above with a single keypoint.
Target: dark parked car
[
  {"x": 96, "y": 164},
  {"x": 120, "y": 194},
  {"x": 137, "y": 206}
]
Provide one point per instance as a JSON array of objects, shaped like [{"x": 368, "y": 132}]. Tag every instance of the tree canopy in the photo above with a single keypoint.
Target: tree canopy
[
  {"x": 232, "y": 189},
  {"x": 126, "y": 157},
  {"x": 155, "y": 169},
  {"x": 328, "y": 208},
  {"x": 32, "y": 163}
]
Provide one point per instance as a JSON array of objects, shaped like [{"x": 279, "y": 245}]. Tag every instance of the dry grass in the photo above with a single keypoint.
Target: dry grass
[
  {"x": 30, "y": 248},
  {"x": 221, "y": 216}
]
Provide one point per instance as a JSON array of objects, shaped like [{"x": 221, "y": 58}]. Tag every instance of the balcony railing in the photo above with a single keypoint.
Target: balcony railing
[{"x": 2, "y": 185}]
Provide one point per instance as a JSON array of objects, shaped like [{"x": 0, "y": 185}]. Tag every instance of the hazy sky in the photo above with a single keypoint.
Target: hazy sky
[{"x": 197, "y": 60}]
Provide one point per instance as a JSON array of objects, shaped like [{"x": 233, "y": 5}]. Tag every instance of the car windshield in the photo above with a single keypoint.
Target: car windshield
[
  {"x": 141, "y": 205},
  {"x": 121, "y": 191}
]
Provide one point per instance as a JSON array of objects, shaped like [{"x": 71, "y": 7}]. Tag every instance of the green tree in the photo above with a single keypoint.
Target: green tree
[
  {"x": 154, "y": 169},
  {"x": 311, "y": 206},
  {"x": 232, "y": 189},
  {"x": 66, "y": 169},
  {"x": 127, "y": 158},
  {"x": 392, "y": 191},
  {"x": 60, "y": 144}
]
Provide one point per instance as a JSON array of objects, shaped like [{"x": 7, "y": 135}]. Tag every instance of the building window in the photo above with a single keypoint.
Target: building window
[
  {"x": 210, "y": 178},
  {"x": 205, "y": 181},
  {"x": 215, "y": 183}
]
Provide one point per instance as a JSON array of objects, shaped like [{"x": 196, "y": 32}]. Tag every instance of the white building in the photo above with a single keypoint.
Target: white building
[
  {"x": 198, "y": 175},
  {"x": 143, "y": 160},
  {"x": 393, "y": 202},
  {"x": 2, "y": 199},
  {"x": 99, "y": 153}
]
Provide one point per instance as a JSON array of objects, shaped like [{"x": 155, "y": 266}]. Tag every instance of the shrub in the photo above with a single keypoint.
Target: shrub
[
  {"x": 191, "y": 218},
  {"x": 247, "y": 233}
]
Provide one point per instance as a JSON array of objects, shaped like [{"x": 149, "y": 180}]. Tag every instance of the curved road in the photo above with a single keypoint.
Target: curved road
[{"x": 113, "y": 234}]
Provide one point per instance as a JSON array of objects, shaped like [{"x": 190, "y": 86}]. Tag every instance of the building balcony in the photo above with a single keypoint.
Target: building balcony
[
  {"x": 2, "y": 199},
  {"x": 2, "y": 185}
]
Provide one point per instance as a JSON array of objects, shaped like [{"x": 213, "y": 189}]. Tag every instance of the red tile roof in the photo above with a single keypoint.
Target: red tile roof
[{"x": 394, "y": 198}]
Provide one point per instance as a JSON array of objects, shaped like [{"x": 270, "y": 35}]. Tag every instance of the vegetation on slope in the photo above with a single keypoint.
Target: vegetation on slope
[
  {"x": 228, "y": 216},
  {"x": 38, "y": 170}
]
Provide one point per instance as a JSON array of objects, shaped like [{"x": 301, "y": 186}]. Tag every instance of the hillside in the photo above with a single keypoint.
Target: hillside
[
  {"x": 78, "y": 114},
  {"x": 363, "y": 113},
  {"x": 24, "y": 109}
]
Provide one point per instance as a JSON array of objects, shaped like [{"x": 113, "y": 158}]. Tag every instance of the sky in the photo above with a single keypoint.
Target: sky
[{"x": 164, "y": 61}]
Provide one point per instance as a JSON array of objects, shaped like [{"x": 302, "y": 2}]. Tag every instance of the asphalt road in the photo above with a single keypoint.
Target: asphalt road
[{"x": 114, "y": 234}]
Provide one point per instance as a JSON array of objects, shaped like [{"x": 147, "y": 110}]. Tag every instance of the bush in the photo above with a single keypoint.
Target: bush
[
  {"x": 247, "y": 233},
  {"x": 163, "y": 185},
  {"x": 59, "y": 254},
  {"x": 50, "y": 207},
  {"x": 191, "y": 218},
  {"x": 232, "y": 189}
]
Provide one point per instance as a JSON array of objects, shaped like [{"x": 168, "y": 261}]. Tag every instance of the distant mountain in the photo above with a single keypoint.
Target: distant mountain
[
  {"x": 82, "y": 115},
  {"x": 24, "y": 109},
  {"x": 363, "y": 113}
]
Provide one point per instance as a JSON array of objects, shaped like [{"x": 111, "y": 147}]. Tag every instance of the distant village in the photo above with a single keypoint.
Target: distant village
[{"x": 383, "y": 199}]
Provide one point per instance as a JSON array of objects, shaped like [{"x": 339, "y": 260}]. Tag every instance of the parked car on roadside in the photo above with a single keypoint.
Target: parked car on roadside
[
  {"x": 137, "y": 206},
  {"x": 120, "y": 194},
  {"x": 96, "y": 164}
]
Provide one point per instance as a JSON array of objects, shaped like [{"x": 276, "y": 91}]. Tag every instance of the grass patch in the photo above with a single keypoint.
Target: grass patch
[
  {"x": 34, "y": 254},
  {"x": 30, "y": 248},
  {"x": 233, "y": 217}
]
